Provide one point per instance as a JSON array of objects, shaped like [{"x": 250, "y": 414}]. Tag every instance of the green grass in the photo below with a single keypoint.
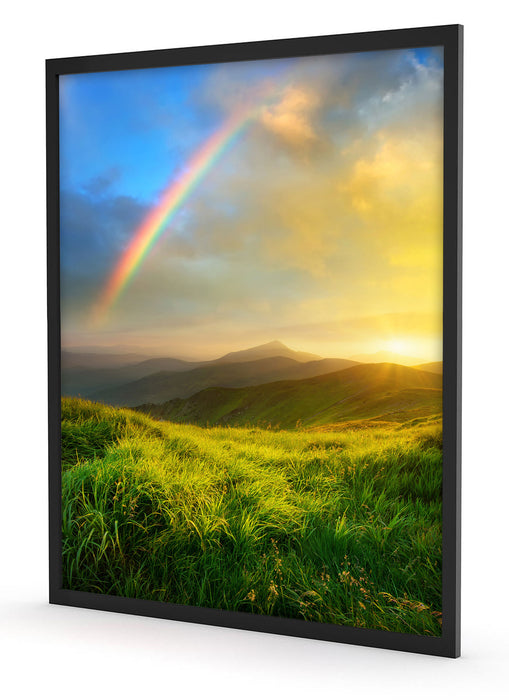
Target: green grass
[{"x": 340, "y": 526}]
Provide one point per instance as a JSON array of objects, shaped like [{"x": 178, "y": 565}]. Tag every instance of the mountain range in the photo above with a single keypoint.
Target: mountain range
[
  {"x": 161, "y": 386},
  {"x": 123, "y": 380},
  {"x": 374, "y": 392},
  {"x": 267, "y": 383}
]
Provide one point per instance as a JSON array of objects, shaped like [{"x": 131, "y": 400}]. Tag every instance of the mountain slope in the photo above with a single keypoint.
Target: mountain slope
[
  {"x": 379, "y": 391},
  {"x": 162, "y": 386},
  {"x": 436, "y": 367}
]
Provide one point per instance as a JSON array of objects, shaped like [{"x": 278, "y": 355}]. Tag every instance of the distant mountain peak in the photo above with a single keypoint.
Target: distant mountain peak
[
  {"x": 275, "y": 344},
  {"x": 274, "y": 348}
]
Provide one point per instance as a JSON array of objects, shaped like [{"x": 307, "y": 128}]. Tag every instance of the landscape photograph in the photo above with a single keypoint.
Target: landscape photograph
[{"x": 251, "y": 336}]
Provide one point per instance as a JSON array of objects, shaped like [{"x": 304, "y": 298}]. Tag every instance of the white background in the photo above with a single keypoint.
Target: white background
[{"x": 80, "y": 654}]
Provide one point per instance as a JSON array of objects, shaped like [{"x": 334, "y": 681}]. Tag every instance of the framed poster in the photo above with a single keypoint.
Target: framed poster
[{"x": 254, "y": 335}]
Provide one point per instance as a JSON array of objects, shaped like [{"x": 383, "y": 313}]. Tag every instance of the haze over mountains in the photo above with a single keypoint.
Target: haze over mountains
[
  {"x": 387, "y": 356},
  {"x": 257, "y": 384},
  {"x": 85, "y": 379},
  {"x": 81, "y": 360}
]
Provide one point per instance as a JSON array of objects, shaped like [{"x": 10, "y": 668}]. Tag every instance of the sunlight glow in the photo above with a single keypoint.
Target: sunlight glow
[{"x": 399, "y": 345}]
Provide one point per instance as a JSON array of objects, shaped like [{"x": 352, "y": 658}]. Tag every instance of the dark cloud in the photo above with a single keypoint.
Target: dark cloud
[
  {"x": 101, "y": 185},
  {"x": 93, "y": 233}
]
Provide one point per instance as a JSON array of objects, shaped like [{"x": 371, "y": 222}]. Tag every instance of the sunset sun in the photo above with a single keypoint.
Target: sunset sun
[{"x": 401, "y": 346}]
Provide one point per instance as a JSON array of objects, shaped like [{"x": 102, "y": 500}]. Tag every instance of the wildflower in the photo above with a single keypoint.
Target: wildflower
[{"x": 273, "y": 592}]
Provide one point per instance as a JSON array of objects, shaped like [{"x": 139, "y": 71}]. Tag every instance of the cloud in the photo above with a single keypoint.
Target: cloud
[
  {"x": 395, "y": 192},
  {"x": 384, "y": 326},
  {"x": 100, "y": 186},
  {"x": 93, "y": 232},
  {"x": 291, "y": 118}
]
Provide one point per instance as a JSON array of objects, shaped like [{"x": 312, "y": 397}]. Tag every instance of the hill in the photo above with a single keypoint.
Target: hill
[
  {"x": 436, "y": 367},
  {"x": 379, "y": 391},
  {"x": 162, "y": 386}
]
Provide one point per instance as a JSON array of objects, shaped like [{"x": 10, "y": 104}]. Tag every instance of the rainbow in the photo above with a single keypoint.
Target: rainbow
[{"x": 172, "y": 198}]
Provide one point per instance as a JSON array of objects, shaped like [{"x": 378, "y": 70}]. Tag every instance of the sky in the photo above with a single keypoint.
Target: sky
[{"x": 316, "y": 221}]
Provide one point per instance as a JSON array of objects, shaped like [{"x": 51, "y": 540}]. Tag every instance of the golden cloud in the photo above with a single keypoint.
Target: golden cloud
[{"x": 290, "y": 119}]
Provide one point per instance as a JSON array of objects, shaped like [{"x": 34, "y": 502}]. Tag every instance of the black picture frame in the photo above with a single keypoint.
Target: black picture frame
[{"x": 451, "y": 39}]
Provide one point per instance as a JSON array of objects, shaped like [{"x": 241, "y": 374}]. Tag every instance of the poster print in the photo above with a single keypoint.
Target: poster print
[{"x": 251, "y": 320}]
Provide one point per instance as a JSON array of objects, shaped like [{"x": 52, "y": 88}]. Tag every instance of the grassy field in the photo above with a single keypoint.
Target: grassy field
[{"x": 340, "y": 525}]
